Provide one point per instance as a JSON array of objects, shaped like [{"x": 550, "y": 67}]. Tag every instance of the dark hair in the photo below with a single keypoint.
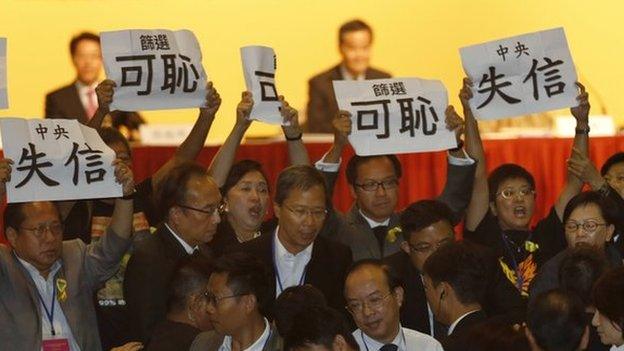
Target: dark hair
[
  {"x": 580, "y": 268},
  {"x": 302, "y": 177},
  {"x": 557, "y": 320},
  {"x": 172, "y": 190},
  {"x": 614, "y": 159},
  {"x": 608, "y": 209},
  {"x": 246, "y": 274},
  {"x": 128, "y": 119},
  {"x": 111, "y": 136},
  {"x": 391, "y": 276},
  {"x": 73, "y": 44},
  {"x": 189, "y": 278},
  {"x": 14, "y": 215},
  {"x": 354, "y": 26},
  {"x": 507, "y": 171},
  {"x": 422, "y": 214},
  {"x": 460, "y": 265},
  {"x": 493, "y": 335},
  {"x": 292, "y": 301},
  {"x": 238, "y": 171},
  {"x": 318, "y": 325},
  {"x": 356, "y": 161},
  {"x": 608, "y": 296}
]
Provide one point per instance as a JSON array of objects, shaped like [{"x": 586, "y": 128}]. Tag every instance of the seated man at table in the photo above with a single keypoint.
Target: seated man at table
[
  {"x": 294, "y": 252},
  {"x": 374, "y": 184},
  {"x": 355, "y": 39},
  {"x": 501, "y": 207},
  {"x": 47, "y": 284},
  {"x": 374, "y": 296}
]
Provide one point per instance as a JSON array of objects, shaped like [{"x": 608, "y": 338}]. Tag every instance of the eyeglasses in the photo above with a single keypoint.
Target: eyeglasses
[
  {"x": 55, "y": 228},
  {"x": 374, "y": 303},
  {"x": 218, "y": 209},
  {"x": 424, "y": 248},
  {"x": 588, "y": 226},
  {"x": 302, "y": 212},
  {"x": 214, "y": 300},
  {"x": 511, "y": 193},
  {"x": 372, "y": 185}
]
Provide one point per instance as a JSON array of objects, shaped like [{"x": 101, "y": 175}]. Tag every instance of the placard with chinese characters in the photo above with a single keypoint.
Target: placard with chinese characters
[
  {"x": 393, "y": 116},
  {"x": 520, "y": 75},
  {"x": 4, "y": 101},
  {"x": 57, "y": 159},
  {"x": 259, "y": 66},
  {"x": 154, "y": 69}
]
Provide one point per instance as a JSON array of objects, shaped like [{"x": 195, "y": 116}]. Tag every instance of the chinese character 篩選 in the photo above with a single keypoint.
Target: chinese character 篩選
[
  {"x": 147, "y": 42},
  {"x": 34, "y": 166},
  {"x": 381, "y": 89},
  {"x": 551, "y": 75},
  {"x": 494, "y": 88},
  {"x": 369, "y": 119},
  {"x": 132, "y": 76}
]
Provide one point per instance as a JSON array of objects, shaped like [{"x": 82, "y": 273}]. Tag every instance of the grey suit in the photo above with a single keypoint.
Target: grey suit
[
  {"x": 84, "y": 268},
  {"x": 211, "y": 341},
  {"x": 353, "y": 230}
]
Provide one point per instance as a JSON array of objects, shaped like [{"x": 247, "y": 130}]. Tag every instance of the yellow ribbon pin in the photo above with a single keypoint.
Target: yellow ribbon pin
[
  {"x": 530, "y": 246},
  {"x": 393, "y": 233},
  {"x": 61, "y": 287}
]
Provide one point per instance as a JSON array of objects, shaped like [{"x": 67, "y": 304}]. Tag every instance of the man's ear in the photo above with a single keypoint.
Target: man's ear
[
  {"x": 610, "y": 231},
  {"x": 11, "y": 235},
  {"x": 493, "y": 208},
  {"x": 277, "y": 209},
  {"x": 398, "y": 293},
  {"x": 405, "y": 247}
]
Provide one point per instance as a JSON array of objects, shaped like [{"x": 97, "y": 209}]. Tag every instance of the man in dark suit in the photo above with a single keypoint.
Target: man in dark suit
[
  {"x": 355, "y": 39},
  {"x": 295, "y": 253},
  {"x": 191, "y": 205},
  {"x": 78, "y": 99},
  {"x": 47, "y": 284},
  {"x": 369, "y": 228},
  {"x": 427, "y": 225}
]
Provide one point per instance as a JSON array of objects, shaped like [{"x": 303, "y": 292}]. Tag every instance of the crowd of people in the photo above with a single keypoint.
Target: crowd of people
[{"x": 188, "y": 260}]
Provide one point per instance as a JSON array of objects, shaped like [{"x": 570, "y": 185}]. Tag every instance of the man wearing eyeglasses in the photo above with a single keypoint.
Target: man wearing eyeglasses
[
  {"x": 238, "y": 291},
  {"x": 374, "y": 184},
  {"x": 374, "y": 297},
  {"x": 190, "y": 202},
  {"x": 426, "y": 226},
  {"x": 47, "y": 284},
  {"x": 295, "y": 253},
  {"x": 589, "y": 219}
]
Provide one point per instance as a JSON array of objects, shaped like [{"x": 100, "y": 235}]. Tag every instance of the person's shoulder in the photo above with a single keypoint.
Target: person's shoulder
[
  {"x": 327, "y": 75},
  {"x": 398, "y": 262},
  {"x": 420, "y": 341},
  {"x": 69, "y": 88},
  {"x": 374, "y": 73},
  {"x": 331, "y": 246},
  {"x": 209, "y": 340}
]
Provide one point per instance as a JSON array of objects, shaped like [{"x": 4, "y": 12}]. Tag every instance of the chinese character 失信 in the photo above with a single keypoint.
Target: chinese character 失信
[
  {"x": 494, "y": 88},
  {"x": 34, "y": 166},
  {"x": 411, "y": 119},
  {"x": 132, "y": 76},
  {"x": 551, "y": 75},
  {"x": 369, "y": 119},
  {"x": 93, "y": 158}
]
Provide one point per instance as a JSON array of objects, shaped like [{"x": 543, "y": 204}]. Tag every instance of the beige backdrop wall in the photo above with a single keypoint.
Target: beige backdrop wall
[{"x": 412, "y": 38}]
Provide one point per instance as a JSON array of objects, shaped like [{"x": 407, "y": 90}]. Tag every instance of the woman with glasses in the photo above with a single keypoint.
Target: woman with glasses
[
  {"x": 608, "y": 299},
  {"x": 502, "y": 205},
  {"x": 244, "y": 185},
  {"x": 589, "y": 221}
]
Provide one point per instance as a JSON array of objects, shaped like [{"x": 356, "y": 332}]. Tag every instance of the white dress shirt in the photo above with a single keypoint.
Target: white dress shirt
[
  {"x": 405, "y": 340},
  {"x": 289, "y": 268},
  {"x": 188, "y": 248},
  {"x": 258, "y": 345},
  {"x": 617, "y": 348},
  {"x": 45, "y": 287}
]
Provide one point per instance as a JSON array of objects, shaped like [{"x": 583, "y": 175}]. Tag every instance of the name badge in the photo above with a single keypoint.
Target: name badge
[{"x": 55, "y": 344}]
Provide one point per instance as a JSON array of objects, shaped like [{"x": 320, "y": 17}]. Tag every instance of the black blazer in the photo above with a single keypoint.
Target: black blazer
[
  {"x": 146, "y": 282},
  {"x": 461, "y": 337},
  {"x": 501, "y": 297},
  {"x": 326, "y": 271},
  {"x": 65, "y": 103},
  {"x": 322, "y": 105}
]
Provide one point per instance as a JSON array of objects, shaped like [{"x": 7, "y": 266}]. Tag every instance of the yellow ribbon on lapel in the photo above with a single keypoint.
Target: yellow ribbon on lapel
[{"x": 61, "y": 287}]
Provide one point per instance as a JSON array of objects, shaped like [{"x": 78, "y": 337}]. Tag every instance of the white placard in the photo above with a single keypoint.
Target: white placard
[
  {"x": 259, "y": 66},
  {"x": 521, "y": 75},
  {"x": 392, "y": 116},
  {"x": 154, "y": 69},
  {"x": 57, "y": 159},
  {"x": 4, "y": 101}
]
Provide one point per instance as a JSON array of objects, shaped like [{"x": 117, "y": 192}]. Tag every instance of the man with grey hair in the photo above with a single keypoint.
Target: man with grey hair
[{"x": 294, "y": 252}]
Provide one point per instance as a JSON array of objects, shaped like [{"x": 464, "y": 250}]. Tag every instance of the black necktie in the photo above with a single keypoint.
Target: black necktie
[
  {"x": 389, "y": 347},
  {"x": 380, "y": 233}
]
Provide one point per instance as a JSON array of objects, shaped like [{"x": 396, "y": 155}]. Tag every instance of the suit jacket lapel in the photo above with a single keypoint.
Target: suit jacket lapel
[
  {"x": 363, "y": 232},
  {"x": 29, "y": 285}
]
